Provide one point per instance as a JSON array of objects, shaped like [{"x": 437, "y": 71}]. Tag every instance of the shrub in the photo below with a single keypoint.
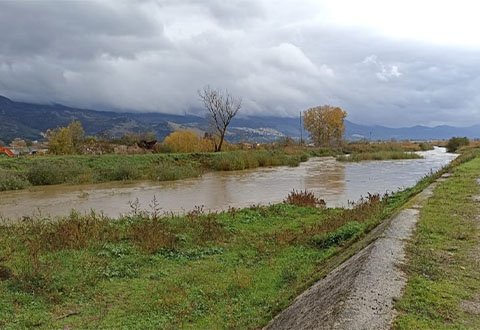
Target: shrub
[
  {"x": 229, "y": 161},
  {"x": 187, "y": 141},
  {"x": 167, "y": 171},
  {"x": 207, "y": 228},
  {"x": 424, "y": 146},
  {"x": 456, "y": 142},
  {"x": 125, "y": 171},
  {"x": 379, "y": 155},
  {"x": 304, "y": 198},
  {"x": 338, "y": 236},
  {"x": 160, "y": 148},
  {"x": 49, "y": 173},
  {"x": 152, "y": 235},
  {"x": 10, "y": 181},
  {"x": 44, "y": 174},
  {"x": 76, "y": 231}
]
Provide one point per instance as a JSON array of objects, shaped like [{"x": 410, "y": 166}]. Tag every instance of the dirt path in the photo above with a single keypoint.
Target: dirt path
[{"x": 360, "y": 293}]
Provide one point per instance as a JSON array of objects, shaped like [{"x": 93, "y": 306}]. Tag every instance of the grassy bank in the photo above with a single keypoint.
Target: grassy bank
[
  {"x": 19, "y": 173},
  {"x": 379, "y": 155},
  {"x": 443, "y": 290},
  {"x": 235, "y": 269}
]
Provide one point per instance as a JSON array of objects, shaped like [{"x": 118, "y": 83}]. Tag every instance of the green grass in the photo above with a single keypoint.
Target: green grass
[
  {"x": 236, "y": 269},
  {"x": 441, "y": 268},
  {"x": 380, "y": 155},
  {"x": 17, "y": 173}
]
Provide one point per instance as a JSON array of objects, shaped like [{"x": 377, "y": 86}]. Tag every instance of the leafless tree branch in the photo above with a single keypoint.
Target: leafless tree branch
[{"x": 221, "y": 108}]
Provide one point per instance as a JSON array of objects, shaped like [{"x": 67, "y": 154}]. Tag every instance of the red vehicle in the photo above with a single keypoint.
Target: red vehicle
[{"x": 6, "y": 151}]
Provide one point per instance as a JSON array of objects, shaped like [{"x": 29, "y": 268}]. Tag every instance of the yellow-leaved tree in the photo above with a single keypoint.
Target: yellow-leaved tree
[
  {"x": 326, "y": 124},
  {"x": 188, "y": 141},
  {"x": 65, "y": 140}
]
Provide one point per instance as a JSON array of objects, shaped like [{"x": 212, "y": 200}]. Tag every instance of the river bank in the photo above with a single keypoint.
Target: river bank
[
  {"x": 20, "y": 173},
  {"x": 147, "y": 271},
  {"x": 335, "y": 182},
  {"x": 24, "y": 172}
]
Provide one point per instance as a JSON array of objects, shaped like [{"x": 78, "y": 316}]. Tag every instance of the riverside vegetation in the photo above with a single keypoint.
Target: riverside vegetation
[
  {"x": 234, "y": 269},
  {"x": 19, "y": 173}
]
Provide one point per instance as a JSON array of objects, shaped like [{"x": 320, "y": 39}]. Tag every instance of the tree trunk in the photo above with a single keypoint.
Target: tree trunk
[{"x": 221, "y": 142}]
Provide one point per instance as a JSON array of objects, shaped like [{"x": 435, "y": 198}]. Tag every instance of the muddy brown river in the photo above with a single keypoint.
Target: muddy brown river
[{"x": 335, "y": 182}]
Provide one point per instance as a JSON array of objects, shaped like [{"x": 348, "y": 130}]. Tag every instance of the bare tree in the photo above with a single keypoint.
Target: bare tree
[{"x": 221, "y": 107}]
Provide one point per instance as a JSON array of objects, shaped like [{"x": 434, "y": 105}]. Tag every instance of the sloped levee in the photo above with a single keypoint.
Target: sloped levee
[{"x": 361, "y": 292}]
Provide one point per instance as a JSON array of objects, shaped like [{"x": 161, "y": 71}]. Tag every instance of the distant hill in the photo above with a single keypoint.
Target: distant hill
[{"x": 26, "y": 120}]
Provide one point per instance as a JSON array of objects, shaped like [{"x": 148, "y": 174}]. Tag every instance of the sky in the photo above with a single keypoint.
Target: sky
[{"x": 393, "y": 63}]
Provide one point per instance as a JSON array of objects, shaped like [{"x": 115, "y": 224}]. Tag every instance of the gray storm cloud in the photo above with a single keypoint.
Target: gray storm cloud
[{"x": 277, "y": 55}]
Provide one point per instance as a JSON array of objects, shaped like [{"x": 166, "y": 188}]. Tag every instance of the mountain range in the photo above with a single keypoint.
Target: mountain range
[{"x": 28, "y": 121}]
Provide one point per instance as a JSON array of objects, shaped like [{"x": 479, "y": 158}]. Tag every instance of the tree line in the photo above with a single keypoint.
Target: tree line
[{"x": 324, "y": 123}]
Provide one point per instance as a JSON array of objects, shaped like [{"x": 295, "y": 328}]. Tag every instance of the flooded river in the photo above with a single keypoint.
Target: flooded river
[{"x": 335, "y": 182}]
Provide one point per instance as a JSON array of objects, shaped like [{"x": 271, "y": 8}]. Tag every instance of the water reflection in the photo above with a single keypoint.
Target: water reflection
[{"x": 333, "y": 181}]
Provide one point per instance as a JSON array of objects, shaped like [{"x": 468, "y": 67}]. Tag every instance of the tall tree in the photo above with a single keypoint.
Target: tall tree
[
  {"x": 326, "y": 124},
  {"x": 221, "y": 108}
]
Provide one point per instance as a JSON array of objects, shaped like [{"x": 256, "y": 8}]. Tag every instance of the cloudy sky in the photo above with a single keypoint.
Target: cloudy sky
[{"x": 396, "y": 63}]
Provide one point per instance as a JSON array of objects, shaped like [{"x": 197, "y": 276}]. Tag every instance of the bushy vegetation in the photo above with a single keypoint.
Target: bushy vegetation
[
  {"x": 373, "y": 147},
  {"x": 380, "y": 155},
  {"x": 80, "y": 169},
  {"x": 165, "y": 171},
  {"x": 304, "y": 198},
  {"x": 188, "y": 141},
  {"x": 456, "y": 142},
  {"x": 11, "y": 181}
]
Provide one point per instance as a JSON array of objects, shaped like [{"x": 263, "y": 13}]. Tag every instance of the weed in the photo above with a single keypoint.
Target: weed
[
  {"x": 344, "y": 233},
  {"x": 164, "y": 171},
  {"x": 11, "y": 181},
  {"x": 76, "y": 232},
  {"x": 304, "y": 198},
  {"x": 196, "y": 212},
  {"x": 206, "y": 229},
  {"x": 152, "y": 235},
  {"x": 379, "y": 155}
]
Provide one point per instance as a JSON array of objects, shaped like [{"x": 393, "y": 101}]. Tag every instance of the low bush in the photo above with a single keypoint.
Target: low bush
[
  {"x": 165, "y": 171},
  {"x": 125, "y": 171},
  {"x": 55, "y": 172},
  {"x": 76, "y": 231},
  {"x": 456, "y": 142},
  {"x": 342, "y": 234},
  {"x": 381, "y": 155},
  {"x": 424, "y": 146},
  {"x": 152, "y": 235},
  {"x": 304, "y": 198},
  {"x": 11, "y": 181},
  {"x": 44, "y": 174}
]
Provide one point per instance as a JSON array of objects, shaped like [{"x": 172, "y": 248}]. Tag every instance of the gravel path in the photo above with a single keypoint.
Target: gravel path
[{"x": 360, "y": 293}]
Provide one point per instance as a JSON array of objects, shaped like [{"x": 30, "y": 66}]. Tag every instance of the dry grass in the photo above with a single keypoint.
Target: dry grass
[
  {"x": 304, "y": 198},
  {"x": 206, "y": 229},
  {"x": 368, "y": 209},
  {"x": 380, "y": 155},
  {"x": 76, "y": 231},
  {"x": 382, "y": 146},
  {"x": 152, "y": 235}
]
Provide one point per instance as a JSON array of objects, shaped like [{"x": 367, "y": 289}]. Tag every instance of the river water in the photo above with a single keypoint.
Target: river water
[{"x": 335, "y": 182}]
